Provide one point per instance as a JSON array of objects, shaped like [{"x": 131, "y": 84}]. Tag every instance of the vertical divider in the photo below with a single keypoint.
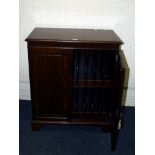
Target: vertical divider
[
  {"x": 86, "y": 77},
  {"x": 105, "y": 65},
  {"x": 97, "y": 77},
  {"x": 86, "y": 65},
  {"x": 77, "y": 57},
  {"x": 100, "y": 102},
  {"x": 98, "y": 65},
  {"x": 76, "y": 78}
]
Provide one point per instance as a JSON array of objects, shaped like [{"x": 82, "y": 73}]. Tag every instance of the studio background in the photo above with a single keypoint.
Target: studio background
[{"x": 117, "y": 15}]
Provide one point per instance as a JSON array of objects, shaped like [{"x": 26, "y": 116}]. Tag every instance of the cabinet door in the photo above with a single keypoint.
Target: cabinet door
[{"x": 51, "y": 81}]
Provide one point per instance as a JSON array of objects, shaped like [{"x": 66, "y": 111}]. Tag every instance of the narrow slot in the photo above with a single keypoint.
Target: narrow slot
[
  {"x": 105, "y": 65},
  {"x": 82, "y": 64},
  {"x": 86, "y": 65},
  {"x": 76, "y": 65},
  {"x": 84, "y": 100},
  {"x": 75, "y": 100},
  {"x": 98, "y": 65},
  {"x": 93, "y": 66}
]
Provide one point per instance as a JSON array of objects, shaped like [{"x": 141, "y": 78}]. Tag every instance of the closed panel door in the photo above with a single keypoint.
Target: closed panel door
[{"x": 51, "y": 80}]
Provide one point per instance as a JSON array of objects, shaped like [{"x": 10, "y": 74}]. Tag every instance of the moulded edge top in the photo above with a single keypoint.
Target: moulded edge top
[{"x": 73, "y": 35}]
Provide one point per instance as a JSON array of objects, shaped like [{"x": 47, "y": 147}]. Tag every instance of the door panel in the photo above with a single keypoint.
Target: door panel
[{"x": 51, "y": 78}]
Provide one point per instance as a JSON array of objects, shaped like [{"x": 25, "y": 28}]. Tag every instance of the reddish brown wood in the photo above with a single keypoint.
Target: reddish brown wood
[
  {"x": 56, "y": 90},
  {"x": 74, "y": 38},
  {"x": 51, "y": 77},
  {"x": 74, "y": 35}
]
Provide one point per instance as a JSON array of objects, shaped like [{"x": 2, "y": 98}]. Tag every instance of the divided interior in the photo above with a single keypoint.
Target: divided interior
[
  {"x": 93, "y": 80},
  {"x": 94, "y": 64}
]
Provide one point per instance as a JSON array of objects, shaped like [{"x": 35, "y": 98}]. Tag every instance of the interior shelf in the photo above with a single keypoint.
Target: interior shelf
[{"x": 92, "y": 84}]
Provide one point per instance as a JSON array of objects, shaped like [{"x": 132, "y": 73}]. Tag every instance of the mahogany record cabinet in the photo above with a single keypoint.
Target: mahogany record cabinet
[{"x": 76, "y": 77}]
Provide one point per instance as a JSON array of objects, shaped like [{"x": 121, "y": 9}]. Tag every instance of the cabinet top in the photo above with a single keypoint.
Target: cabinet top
[{"x": 73, "y": 35}]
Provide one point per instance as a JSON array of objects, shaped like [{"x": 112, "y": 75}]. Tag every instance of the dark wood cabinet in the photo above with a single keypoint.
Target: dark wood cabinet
[
  {"x": 51, "y": 71},
  {"x": 76, "y": 77}
]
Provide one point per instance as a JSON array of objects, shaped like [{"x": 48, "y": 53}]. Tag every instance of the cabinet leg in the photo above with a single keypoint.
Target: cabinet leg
[
  {"x": 36, "y": 126},
  {"x": 114, "y": 134}
]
